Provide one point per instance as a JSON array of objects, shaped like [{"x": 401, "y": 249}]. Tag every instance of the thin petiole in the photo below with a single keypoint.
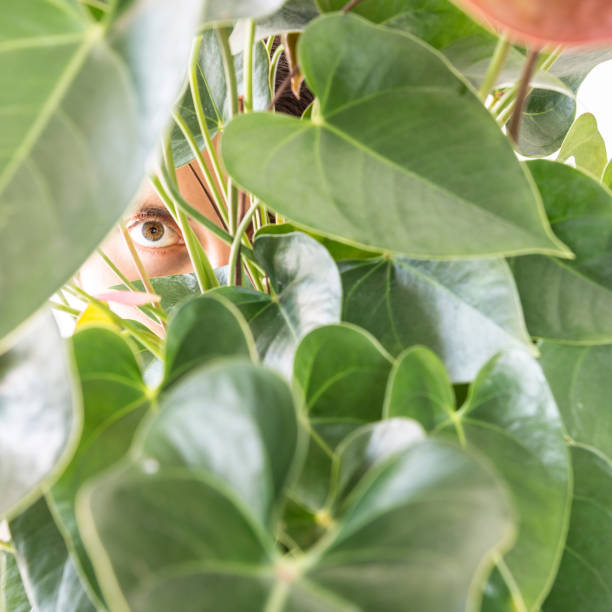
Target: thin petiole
[
  {"x": 495, "y": 67},
  {"x": 273, "y": 65},
  {"x": 234, "y": 261},
  {"x": 248, "y": 65}
]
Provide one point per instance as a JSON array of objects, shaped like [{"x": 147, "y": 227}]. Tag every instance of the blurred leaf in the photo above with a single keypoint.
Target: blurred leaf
[
  {"x": 585, "y": 575},
  {"x": 440, "y": 172},
  {"x": 46, "y": 566},
  {"x": 216, "y": 103},
  {"x": 77, "y": 132},
  {"x": 230, "y": 10},
  {"x": 570, "y": 300},
  {"x": 465, "y": 311},
  {"x": 40, "y": 417},
  {"x": 203, "y": 329},
  {"x": 115, "y": 399},
  {"x": 12, "y": 593},
  {"x": 306, "y": 294},
  {"x": 585, "y": 144}
]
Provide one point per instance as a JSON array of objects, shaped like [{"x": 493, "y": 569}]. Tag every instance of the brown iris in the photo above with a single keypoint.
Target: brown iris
[{"x": 153, "y": 230}]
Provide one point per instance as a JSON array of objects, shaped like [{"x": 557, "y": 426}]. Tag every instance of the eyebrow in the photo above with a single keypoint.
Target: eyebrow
[{"x": 152, "y": 209}]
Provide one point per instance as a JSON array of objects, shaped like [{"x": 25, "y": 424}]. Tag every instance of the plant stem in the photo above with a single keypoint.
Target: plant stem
[
  {"x": 234, "y": 261},
  {"x": 349, "y": 6},
  {"x": 142, "y": 272},
  {"x": 521, "y": 96},
  {"x": 223, "y": 34},
  {"x": 199, "y": 110},
  {"x": 286, "y": 82},
  {"x": 248, "y": 66},
  {"x": 219, "y": 199},
  {"x": 273, "y": 65},
  {"x": 63, "y": 308},
  {"x": 495, "y": 67}
]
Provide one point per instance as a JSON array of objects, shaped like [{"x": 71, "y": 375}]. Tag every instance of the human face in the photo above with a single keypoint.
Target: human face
[{"x": 157, "y": 238}]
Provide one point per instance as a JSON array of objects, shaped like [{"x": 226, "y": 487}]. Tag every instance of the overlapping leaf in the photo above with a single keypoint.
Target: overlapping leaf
[
  {"x": 77, "y": 132},
  {"x": 12, "y": 593},
  {"x": 465, "y": 311},
  {"x": 439, "y": 174},
  {"x": 586, "y": 146},
  {"x": 307, "y": 294},
  {"x": 40, "y": 416},
  {"x": 570, "y": 300}
]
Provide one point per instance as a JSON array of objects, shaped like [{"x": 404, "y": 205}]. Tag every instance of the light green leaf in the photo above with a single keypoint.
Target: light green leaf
[
  {"x": 203, "y": 329},
  {"x": 12, "y": 593},
  {"x": 49, "y": 574},
  {"x": 510, "y": 416},
  {"x": 230, "y": 10},
  {"x": 585, "y": 575},
  {"x": 579, "y": 377},
  {"x": 585, "y": 144},
  {"x": 467, "y": 196},
  {"x": 306, "y": 294},
  {"x": 570, "y": 300},
  {"x": 465, "y": 311},
  {"x": 76, "y": 133},
  {"x": 214, "y": 95},
  {"x": 40, "y": 418},
  {"x": 115, "y": 399},
  {"x": 419, "y": 389}
]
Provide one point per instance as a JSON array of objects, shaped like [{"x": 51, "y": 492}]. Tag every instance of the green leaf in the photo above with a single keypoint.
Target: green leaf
[
  {"x": 208, "y": 472},
  {"x": 465, "y": 311},
  {"x": 47, "y": 569},
  {"x": 585, "y": 144},
  {"x": 12, "y": 593},
  {"x": 40, "y": 417},
  {"x": 341, "y": 374},
  {"x": 203, "y": 329},
  {"x": 214, "y": 95},
  {"x": 230, "y": 10},
  {"x": 510, "y": 416},
  {"x": 115, "y": 399},
  {"x": 570, "y": 300},
  {"x": 330, "y": 172},
  {"x": 306, "y": 294},
  {"x": 77, "y": 132},
  {"x": 585, "y": 575},
  {"x": 419, "y": 389}
]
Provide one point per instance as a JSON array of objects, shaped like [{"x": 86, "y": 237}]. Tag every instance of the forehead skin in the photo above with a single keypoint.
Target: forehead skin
[{"x": 95, "y": 275}]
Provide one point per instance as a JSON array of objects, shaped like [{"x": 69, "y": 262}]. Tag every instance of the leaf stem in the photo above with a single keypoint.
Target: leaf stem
[
  {"x": 273, "y": 65},
  {"x": 495, "y": 67},
  {"x": 349, "y": 6},
  {"x": 248, "y": 65},
  {"x": 521, "y": 96},
  {"x": 223, "y": 34},
  {"x": 63, "y": 308},
  {"x": 234, "y": 261}
]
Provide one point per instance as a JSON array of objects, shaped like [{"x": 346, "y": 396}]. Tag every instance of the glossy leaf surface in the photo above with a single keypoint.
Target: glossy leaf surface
[
  {"x": 307, "y": 294},
  {"x": 465, "y": 311},
  {"x": 115, "y": 399},
  {"x": 329, "y": 172},
  {"x": 214, "y": 95},
  {"x": 40, "y": 414},
  {"x": 570, "y": 300},
  {"x": 203, "y": 329},
  {"x": 77, "y": 132},
  {"x": 586, "y": 145},
  {"x": 49, "y": 574}
]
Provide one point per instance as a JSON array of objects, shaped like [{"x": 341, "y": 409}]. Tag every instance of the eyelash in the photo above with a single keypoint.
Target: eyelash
[{"x": 171, "y": 236}]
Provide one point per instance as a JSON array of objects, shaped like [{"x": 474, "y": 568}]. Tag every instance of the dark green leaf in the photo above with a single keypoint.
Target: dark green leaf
[
  {"x": 465, "y": 311},
  {"x": 306, "y": 294},
  {"x": 570, "y": 300},
  {"x": 585, "y": 144},
  {"x": 467, "y": 196},
  {"x": 39, "y": 414},
  {"x": 76, "y": 133},
  {"x": 115, "y": 400},
  {"x": 203, "y": 329},
  {"x": 46, "y": 566},
  {"x": 585, "y": 575},
  {"x": 214, "y": 95}
]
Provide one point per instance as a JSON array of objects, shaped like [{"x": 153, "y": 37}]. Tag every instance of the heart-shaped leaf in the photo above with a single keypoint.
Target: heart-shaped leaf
[
  {"x": 214, "y": 96},
  {"x": 579, "y": 377},
  {"x": 77, "y": 132},
  {"x": 115, "y": 399},
  {"x": 329, "y": 172},
  {"x": 46, "y": 566},
  {"x": 202, "y": 329},
  {"x": 40, "y": 416},
  {"x": 584, "y": 577},
  {"x": 465, "y": 311},
  {"x": 586, "y": 145},
  {"x": 575, "y": 302},
  {"x": 307, "y": 294}
]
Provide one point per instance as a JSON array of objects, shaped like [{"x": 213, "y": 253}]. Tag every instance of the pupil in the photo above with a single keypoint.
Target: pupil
[{"x": 153, "y": 230}]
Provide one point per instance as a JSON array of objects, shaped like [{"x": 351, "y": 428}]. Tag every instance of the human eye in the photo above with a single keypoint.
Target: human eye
[{"x": 154, "y": 229}]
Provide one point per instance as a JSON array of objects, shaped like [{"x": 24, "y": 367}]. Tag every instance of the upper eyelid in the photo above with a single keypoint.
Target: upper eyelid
[{"x": 154, "y": 213}]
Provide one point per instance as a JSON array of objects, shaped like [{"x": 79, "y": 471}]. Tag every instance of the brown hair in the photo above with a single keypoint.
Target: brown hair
[{"x": 288, "y": 103}]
